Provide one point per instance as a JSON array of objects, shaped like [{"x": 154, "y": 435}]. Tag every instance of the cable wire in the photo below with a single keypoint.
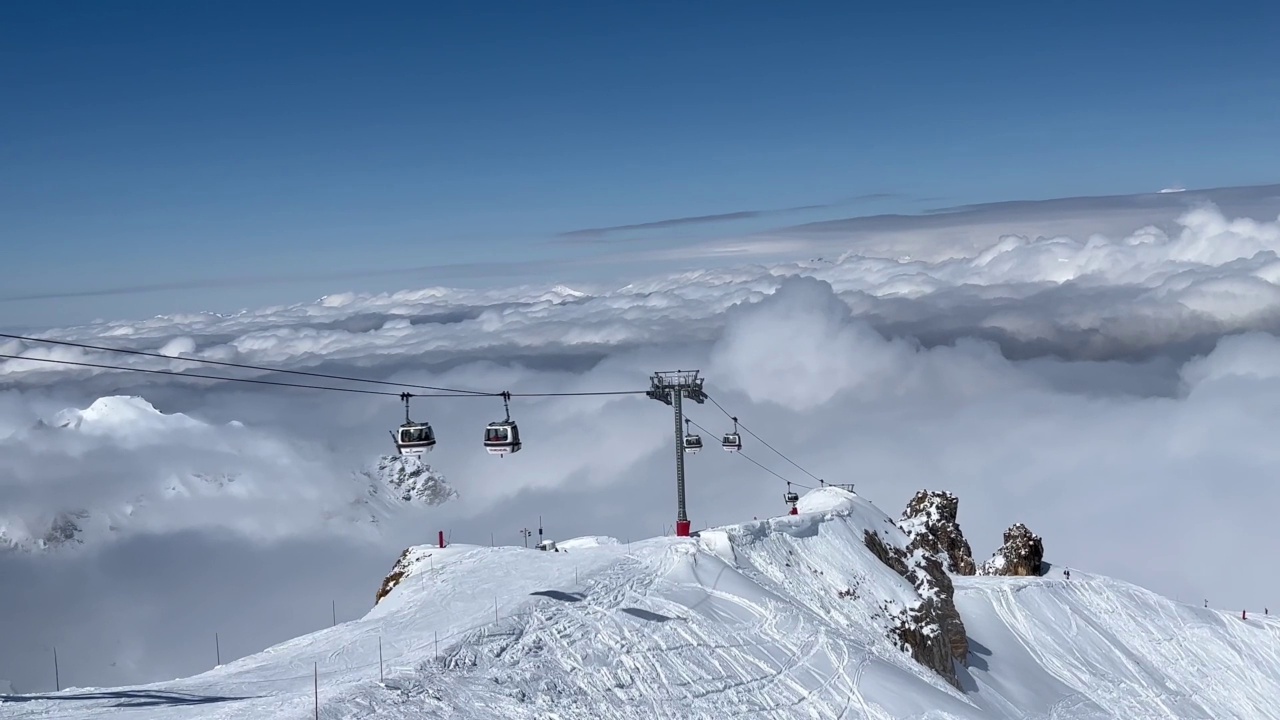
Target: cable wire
[
  {"x": 242, "y": 366},
  {"x": 442, "y": 391},
  {"x": 762, "y": 442},
  {"x": 202, "y": 376},
  {"x": 579, "y": 394},
  {"x": 750, "y": 459}
]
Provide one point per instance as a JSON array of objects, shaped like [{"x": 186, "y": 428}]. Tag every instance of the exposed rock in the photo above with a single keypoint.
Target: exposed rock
[
  {"x": 398, "y": 571},
  {"x": 1022, "y": 554},
  {"x": 412, "y": 480},
  {"x": 930, "y": 522},
  {"x": 64, "y": 528},
  {"x": 932, "y": 628}
]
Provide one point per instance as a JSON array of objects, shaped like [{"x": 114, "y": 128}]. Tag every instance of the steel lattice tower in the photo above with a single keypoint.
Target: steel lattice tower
[{"x": 670, "y": 387}]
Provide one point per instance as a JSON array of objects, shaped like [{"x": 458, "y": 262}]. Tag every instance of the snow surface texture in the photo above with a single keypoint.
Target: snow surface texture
[
  {"x": 179, "y": 492},
  {"x": 776, "y": 618}
]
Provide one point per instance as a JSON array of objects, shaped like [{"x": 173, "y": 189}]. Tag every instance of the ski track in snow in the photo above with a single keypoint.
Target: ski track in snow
[{"x": 743, "y": 621}]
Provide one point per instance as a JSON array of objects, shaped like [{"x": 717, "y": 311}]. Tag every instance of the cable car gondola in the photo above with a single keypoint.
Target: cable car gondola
[
  {"x": 791, "y": 499},
  {"x": 732, "y": 442},
  {"x": 503, "y": 436},
  {"x": 413, "y": 438},
  {"x": 692, "y": 442}
]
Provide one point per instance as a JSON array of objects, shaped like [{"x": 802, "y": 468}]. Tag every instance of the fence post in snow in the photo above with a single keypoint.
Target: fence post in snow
[
  {"x": 217, "y": 648},
  {"x": 381, "y": 678},
  {"x": 435, "y": 639},
  {"x": 57, "y": 681},
  {"x": 1242, "y": 615},
  {"x": 316, "y": 691}
]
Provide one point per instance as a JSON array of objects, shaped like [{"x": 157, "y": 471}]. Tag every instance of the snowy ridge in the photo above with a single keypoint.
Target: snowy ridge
[{"x": 780, "y": 618}]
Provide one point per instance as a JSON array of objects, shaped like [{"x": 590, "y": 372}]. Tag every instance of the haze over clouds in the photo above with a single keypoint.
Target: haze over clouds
[{"x": 1115, "y": 392}]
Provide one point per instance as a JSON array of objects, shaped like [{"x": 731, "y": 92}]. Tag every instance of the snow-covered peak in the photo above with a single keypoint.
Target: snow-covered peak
[
  {"x": 121, "y": 415},
  {"x": 567, "y": 291},
  {"x": 407, "y": 479}
]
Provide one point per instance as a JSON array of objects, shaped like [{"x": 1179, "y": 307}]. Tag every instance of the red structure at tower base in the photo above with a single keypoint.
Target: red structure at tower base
[{"x": 682, "y": 528}]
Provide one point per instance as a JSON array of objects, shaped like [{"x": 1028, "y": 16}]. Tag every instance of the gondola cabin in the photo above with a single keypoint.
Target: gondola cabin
[
  {"x": 732, "y": 442},
  {"x": 415, "y": 438},
  {"x": 501, "y": 438},
  {"x": 692, "y": 443}
]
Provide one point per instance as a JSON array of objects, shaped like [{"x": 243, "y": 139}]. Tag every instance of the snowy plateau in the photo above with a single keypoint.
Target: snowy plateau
[
  {"x": 181, "y": 479},
  {"x": 786, "y": 617}
]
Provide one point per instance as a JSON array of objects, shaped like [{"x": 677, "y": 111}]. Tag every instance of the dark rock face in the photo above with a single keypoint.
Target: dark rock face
[
  {"x": 395, "y": 576},
  {"x": 932, "y": 628},
  {"x": 930, "y": 522},
  {"x": 1021, "y": 555}
]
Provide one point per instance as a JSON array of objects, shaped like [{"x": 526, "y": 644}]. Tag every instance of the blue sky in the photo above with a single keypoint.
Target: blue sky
[{"x": 216, "y": 153}]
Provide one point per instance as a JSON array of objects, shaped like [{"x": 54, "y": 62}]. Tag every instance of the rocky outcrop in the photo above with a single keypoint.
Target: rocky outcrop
[
  {"x": 409, "y": 479},
  {"x": 1021, "y": 555},
  {"x": 398, "y": 572},
  {"x": 931, "y": 629},
  {"x": 930, "y": 522},
  {"x": 65, "y": 529}
]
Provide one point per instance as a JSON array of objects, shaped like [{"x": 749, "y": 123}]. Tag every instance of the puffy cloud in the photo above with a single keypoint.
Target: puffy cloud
[
  {"x": 800, "y": 348},
  {"x": 1116, "y": 393}
]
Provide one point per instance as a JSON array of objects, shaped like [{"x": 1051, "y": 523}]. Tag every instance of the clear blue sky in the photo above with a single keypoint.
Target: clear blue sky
[{"x": 181, "y": 143}]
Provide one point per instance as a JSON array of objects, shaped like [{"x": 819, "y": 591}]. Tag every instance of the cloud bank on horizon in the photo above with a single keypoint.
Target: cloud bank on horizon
[{"x": 1113, "y": 392}]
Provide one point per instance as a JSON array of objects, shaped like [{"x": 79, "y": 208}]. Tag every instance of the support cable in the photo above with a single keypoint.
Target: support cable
[
  {"x": 242, "y": 366},
  {"x": 202, "y": 376},
  {"x": 763, "y": 442},
  {"x": 752, "y": 460}
]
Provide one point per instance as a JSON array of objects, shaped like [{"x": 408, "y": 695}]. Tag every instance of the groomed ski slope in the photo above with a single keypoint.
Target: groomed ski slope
[{"x": 746, "y": 620}]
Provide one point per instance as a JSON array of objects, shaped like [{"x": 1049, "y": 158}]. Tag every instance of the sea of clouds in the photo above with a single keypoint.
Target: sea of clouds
[{"x": 1116, "y": 393}]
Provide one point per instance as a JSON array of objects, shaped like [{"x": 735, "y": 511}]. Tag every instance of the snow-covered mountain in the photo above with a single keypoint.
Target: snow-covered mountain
[
  {"x": 790, "y": 617},
  {"x": 159, "y": 469}
]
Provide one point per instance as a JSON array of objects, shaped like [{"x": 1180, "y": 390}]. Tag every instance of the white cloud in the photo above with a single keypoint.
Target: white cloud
[{"x": 1115, "y": 393}]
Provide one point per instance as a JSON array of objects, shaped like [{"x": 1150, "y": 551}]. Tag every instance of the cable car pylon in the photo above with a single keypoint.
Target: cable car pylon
[{"x": 671, "y": 387}]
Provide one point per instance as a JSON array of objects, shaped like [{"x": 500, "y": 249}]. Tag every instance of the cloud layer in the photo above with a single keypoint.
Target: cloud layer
[{"x": 1115, "y": 393}]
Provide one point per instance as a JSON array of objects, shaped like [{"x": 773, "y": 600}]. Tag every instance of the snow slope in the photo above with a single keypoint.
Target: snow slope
[{"x": 748, "y": 620}]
